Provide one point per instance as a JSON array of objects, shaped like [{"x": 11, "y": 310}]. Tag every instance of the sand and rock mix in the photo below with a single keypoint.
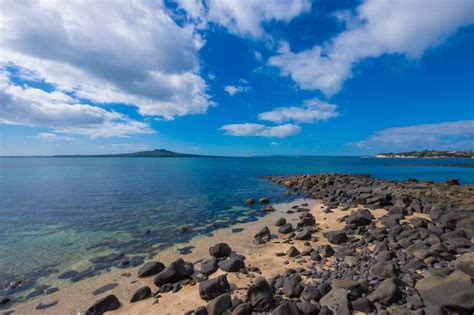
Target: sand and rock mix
[{"x": 353, "y": 245}]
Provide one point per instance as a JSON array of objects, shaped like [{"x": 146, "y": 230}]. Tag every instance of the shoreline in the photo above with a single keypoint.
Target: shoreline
[
  {"x": 200, "y": 244},
  {"x": 348, "y": 245}
]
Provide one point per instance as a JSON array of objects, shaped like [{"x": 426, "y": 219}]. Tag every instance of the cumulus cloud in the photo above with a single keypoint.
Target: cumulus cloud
[
  {"x": 377, "y": 28},
  {"x": 52, "y": 137},
  {"x": 243, "y": 86},
  {"x": 248, "y": 129},
  {"x": 243, "y": 17},
  {"x": 23, "y": 105},
  {"x": 131, "y": 52},
  {"x": 447, "y": 135},
  {"x": 312, "y": 111}
]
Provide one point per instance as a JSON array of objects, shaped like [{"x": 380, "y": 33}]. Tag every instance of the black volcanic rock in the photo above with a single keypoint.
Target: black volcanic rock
[
  {"x": 220, "y": 250},
  {"x": 176, "y": 271},
  {"x": 108, "y": 303},
  {"x": 150, "y": 269},
  {"x": 214, "y": 287}
]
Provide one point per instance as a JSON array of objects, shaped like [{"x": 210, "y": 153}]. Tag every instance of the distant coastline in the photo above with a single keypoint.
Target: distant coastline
[
  {"x": 428, "y": 154},
  {"x": 465, "y": 165}
]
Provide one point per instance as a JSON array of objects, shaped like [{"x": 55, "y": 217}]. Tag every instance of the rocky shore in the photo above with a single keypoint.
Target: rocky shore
[{"x": 358, "y": 245}]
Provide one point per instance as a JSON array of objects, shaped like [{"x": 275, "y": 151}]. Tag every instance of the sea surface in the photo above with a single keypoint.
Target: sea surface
[{"x": 57, "y": 213}]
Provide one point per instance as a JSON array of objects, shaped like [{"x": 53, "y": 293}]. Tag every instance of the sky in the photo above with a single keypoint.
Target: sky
[{"x": 226, "y": 77}]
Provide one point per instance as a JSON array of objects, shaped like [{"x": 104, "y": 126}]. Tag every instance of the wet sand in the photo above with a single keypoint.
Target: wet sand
[{"x": 76, "y": 298}]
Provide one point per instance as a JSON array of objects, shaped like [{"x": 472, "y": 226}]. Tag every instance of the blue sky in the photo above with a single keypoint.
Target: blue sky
[{"x": 236, "y": 77}]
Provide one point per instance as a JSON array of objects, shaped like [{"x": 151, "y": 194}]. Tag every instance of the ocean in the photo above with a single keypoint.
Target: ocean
[{"x": 57, "y": 213}]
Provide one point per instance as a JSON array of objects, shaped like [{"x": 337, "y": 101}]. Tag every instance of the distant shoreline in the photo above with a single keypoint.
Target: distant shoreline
[{"x": 465, "y": 165}]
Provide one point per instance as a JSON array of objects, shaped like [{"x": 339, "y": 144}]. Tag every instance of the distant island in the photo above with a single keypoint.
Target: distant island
[
  {"x": 428, "y": 154},
  {"x": 152, "y": 153}
]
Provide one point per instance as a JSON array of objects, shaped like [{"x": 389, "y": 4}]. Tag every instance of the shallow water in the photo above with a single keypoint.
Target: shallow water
[{"x": 56, "y": 213}]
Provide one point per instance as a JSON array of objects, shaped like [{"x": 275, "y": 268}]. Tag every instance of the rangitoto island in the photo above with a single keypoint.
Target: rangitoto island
[
  {"x": 347, "y": 244},
  {"x": 151, "y": 153}
]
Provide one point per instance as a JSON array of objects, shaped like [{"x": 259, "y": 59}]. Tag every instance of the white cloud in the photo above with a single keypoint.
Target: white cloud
[
  {"x": 129, "y": 52},
  {"x": 20, "y": 105},
  {"x": 312, "y": 111},
  {"x": 234, "y": 89},
  {"x": 258, "y": 55},
  {"x": 446, "y": 135},
  {"x": 243, "y": 17},
  {"x": 52, "y": 137},
  {"x": 247, "y": 129},
  {"x": 379, "y": 27}
]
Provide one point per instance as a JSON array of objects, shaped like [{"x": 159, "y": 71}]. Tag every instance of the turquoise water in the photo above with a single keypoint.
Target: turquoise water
[{"x": 58, "y": 212}]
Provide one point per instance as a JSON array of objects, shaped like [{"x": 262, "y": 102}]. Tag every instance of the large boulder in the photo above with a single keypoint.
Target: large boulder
[
  {"x": 232, "y": 264},
  {"x": 454, "y": 292},
  {"x": 208, "y": 266},
  {"x": 360, "y": 217},
  {"x": 336, "y": 237},
  {"x": 108, "y": 303},
  {"x": 465, "y": 263},
  {"x": 220, "y": 250},
  {"x": 336, "y": 300},
  {"x": 212, "y": 288},
  {"x": 292, "y": 287},
  {"x": 150, "y": 269},
  {"x": 176, "y": 271},
  {"x": 260, "y": 295},
  {"x": 219, "y": 304}
]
